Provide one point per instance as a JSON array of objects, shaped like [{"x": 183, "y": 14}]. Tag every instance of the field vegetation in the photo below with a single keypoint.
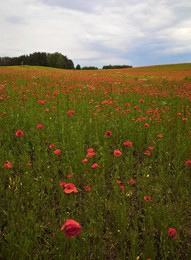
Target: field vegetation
[{"x": 95, "y": 164}]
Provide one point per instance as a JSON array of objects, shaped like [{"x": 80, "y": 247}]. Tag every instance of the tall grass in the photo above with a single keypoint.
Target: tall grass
[{"x": 118, "y": 219}]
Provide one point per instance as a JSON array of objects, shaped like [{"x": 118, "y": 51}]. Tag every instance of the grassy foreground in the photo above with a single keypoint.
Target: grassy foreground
[{"x": 108, "y": 149}]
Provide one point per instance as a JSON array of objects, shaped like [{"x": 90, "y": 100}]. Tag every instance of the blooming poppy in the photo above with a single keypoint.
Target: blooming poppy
[
  {"x": 147, "y": 152},
  {"x": 57, "y": 151},
  {"x": 108, "y": 133},
  {"x": 52, "y": 146},
  {"x": 19, "y": 133},
  {"x": 132, "y": 181},
  {"x": 69, "y": 188},
  {"x": 117, "y": 153},
  {"x": 40, "y": 126},
  {"x": 71, "y": 228},
  {"x": 70, "y": 112},
  {"x": 62, "y": 184},
  {"x": 121, "y": 187},
  {"x": 188, "y": 162},
  {"x": 172, "y": 233},
  {"x": 127, "y": 143},
  {"x": 8, "y": 165},
  {"x": 160, "y": 135},
  {"x": 148, "y": 198},
  {"x": 87, "y": 188},
  {"x": 85, "y": 160},
  {"x": 70, "y": 175},
  {"x": 94, "y": 166}
]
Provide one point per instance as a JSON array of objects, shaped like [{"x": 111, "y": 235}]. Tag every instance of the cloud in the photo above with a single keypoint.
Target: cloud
[{"x": 97, "y": 32}]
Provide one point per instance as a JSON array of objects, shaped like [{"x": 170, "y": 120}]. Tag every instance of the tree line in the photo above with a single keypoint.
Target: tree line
[{"x": 55, "y": 60}]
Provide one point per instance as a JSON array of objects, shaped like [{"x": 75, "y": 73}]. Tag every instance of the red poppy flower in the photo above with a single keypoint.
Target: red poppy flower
[
  {"x": 70, "y": 175},
  {"x": 147, "y": 152},
  {"x": 40, "y": 126},
  {"x": 188, "y": 162},
  {"x": 71, "y": 228},
  {"x": 117, "y": 153},
  {"x": 172, "y": 233},
  {"x": 62, "y": 184},
  {"x": 70, "y": 112},
  {"x": 108, "y": 133},
  {"x": 127, "y": 143},
  {"x": 57, "y": 151},
  {"x": 8, "y": 165},
  {"x": 121, "y": 187},
  {"x": 160, "y": 135},
  {"x": 85, "y": 160},
  {"x": 132, "y": 181},
  {"x": 146, "y": 125},
  {"x": 118, "y": 182},
  {"x": 94, "y": 166},
  {"x": 52, "y": 146},
  {"x": 19, "y": 133},
  {"x": 87, "y": 188},
  {"x": 69, "y": 188},
  {"x": 148, "y": 198}
]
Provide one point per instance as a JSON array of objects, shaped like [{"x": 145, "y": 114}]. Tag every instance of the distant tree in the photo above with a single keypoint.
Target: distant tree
[
  {"x": 78, "y": 67},
  {"x": 89, "y": 68},
  {"x": 56, "y": 60},
  {"x": 116, "y": 66}
]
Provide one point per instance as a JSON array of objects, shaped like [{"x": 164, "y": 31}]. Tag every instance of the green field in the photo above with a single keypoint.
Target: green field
[{"x": 128, "y": 193}]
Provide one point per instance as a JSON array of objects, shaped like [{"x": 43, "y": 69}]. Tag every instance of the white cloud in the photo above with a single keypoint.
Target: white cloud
[{"x": 101, "y": 31}]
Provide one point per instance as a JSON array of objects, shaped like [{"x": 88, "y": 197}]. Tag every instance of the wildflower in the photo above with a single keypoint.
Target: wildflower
[
  {"x": 52, "y": 146},
  {"x": 147, "y": 152},
  {"x": 172, "y": 233},
  {"x": 70, "y": 112},
  {"x": 62, "y": 184},
  {"x": 121, "y": 187},
  {"x": 148, "y": 198},
  {"x": 57, "y": 151},
  {"x": 146, "y": 125},
  {"x": 141, "y": 101},
  {"x": 108, "y": 133},
  {"x": 19, "y": 133},
  {"x": 127, "y": 143},
  {"x": 70, "y": 175},
  {"x": 87, "y": 188},
  {"x": 160, "y": 135},
  {"x": 8, "y": 165},
  {"x": 4, "y": 113},
  {"x": 188, "y": 162},
  {"x": 69, "y": 188},
  {"x": 71, "y": 228},
  {"x": 40, "y": 126},
  {"x": 85, "y": 160},
  {"x": 28, "y": 164},
  {"x": 151, "y": 148},
  {"x": 118, "y": 182},
  {"x": 117, "y": 153},
  {"x": 132, "y": 181},
  {"x": 94, "y": 166}
]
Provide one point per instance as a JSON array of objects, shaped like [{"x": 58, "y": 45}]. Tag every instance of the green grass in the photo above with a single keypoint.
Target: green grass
[{"x": 117, "y": 223}]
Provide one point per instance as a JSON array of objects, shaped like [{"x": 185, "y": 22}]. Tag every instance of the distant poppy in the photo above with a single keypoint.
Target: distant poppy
[
  {"x": 108, "y": 133},
  {"x": 40, "y": 126},
  {"x": 69, "y": 188},
  {"x": 121, "y": 187},
  {"x": 148, "y": 198},
  {"x": 172, "y": 233},
  {"x": 52, "y": 146},
  {"x": 57, "y": 151},
  {"x": 87, "y": 188},
  {"x": 85, "y": 160},
  {"x": 132, "y": 181},
  {"x": 117, "y": 153},
  {"x": 94, "y": 166},
  {"x": 8, "y": 165},
  {"x": 127, "y": 143},
  {"x": 70, "y": 112},
  {"x": 188, "y": 162},
  {"x": 71, "y": 228},
  {"x": 19, "y": 133}
]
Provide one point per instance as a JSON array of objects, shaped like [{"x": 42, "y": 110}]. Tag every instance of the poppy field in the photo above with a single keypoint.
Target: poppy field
[{"x": 95, "y": 164}]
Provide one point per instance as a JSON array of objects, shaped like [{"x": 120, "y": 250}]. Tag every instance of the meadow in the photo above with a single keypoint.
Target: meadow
[{"x": 95, "y": 164}]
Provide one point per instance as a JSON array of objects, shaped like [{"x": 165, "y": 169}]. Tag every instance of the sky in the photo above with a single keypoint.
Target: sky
[{"x": 98, "y": 32}]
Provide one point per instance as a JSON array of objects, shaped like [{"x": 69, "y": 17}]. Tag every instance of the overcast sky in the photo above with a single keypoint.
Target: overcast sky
[{"x": 98, "y": 32}]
